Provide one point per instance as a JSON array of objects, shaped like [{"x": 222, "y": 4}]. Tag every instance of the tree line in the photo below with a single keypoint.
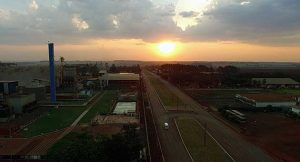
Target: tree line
[
  {"x": 78, "y": 147},
  {"x": 201, "y": 76}
]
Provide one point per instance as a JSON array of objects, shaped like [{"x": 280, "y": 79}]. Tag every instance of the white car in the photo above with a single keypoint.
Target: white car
[{"x": 166, "y": 126}]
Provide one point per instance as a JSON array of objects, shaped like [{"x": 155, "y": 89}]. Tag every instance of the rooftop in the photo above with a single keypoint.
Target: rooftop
[
  {"x": 7, "y": 81},
  {"x": 103, "y": 71},
  {"x": 269, "y": 97},
  {"x": 276, "y": 80},
  {"x": 125, "y": 107}
]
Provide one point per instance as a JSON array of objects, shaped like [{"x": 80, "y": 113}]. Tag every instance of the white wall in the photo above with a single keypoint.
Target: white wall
[{"x": 296, "y": 110}]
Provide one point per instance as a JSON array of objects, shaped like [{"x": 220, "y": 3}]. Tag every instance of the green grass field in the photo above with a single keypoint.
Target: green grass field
[
  {"x": 193, "y": 137},
  {"x": 102, "y": 107},
  {"x": 53, "y": 120},
  {"x": 289, "y": 91},
  {"x": 168, "y": 98}
]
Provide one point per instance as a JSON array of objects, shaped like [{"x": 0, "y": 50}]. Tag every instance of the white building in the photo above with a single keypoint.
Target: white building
[{"x": 296, "y": 109}]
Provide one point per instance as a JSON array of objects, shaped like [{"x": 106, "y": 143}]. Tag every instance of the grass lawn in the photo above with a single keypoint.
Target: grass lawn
[
  {"x": 102, "y": 107},
  {"x": 53, "y": 120},
  {"x": 193, "y": 136},
  {"x": 66, "y": 140},
  {"x": 168, "y": 98},
  {"x": 289, "y": 91}
]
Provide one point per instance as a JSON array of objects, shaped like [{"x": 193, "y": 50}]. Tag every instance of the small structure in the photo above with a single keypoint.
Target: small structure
[
  {"x": 262, "y": 100},
  {"x": 296, "y": 109},
  {"x": 8, "y": 87},
  {"x": 5, "y": 113},
  {"x": 38, "y": 90},
  {"x": 275, "y": 83},
  {"x": 103, "y": 78},
  {"x": 69, "y": 76},
  {"x": 41, "y": 82},
  {"x": 91, "y": 83},
  {"x": 126, "y": 108},
  {"x": 21, "y": 103},
  {"x": 1, "y": 98},
  {"x": 128, "y": 97},
  {"x": 102, "y": 72}
]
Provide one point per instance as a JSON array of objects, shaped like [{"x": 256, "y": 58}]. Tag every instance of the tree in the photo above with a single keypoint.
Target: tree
[
  {"x": 77, "y": 148},
  {"x": 113, "y": 68},
  {"x": 83, "y": 147}
]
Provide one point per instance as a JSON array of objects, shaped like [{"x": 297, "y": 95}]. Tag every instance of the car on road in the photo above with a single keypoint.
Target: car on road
[{"x": 166, "y": 126}]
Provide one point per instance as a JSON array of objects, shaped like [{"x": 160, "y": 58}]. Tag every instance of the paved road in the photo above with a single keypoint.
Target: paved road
[
  {"x": 234, "y": 144},
  {"x": 172, "y": 148}
]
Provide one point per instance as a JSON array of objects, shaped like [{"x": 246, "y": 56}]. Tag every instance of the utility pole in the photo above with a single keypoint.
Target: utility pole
[{"x": 177, "y": 103}]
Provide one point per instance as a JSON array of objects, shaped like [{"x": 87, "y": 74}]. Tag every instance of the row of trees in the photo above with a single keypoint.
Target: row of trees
[
  {"x": 125, "y": 69},
  {"x": 201, "y": 76},
  {"x": 94, "y": 69},
  {"x": 77, "y": 147}
]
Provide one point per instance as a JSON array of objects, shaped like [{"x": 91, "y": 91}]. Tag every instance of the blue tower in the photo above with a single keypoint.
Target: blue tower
[{"x": 52, "y": 73}]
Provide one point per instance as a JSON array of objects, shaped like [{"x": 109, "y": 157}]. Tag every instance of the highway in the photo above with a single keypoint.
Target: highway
[
  {"x": 236, "y": 146},
  {"x": 172, "y": 148}
]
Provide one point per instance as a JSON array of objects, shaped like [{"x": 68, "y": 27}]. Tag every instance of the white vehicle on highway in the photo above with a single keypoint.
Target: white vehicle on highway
[{"x": 166, "y": 126}]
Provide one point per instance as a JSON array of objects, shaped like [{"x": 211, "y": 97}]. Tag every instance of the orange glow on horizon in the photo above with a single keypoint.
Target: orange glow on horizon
[
  {"x": 166, "y": 48},
  {"x": 136, "y": 49}
]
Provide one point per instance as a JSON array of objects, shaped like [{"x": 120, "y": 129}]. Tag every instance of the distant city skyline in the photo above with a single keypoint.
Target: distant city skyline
[{"x": 203, "y": 30}]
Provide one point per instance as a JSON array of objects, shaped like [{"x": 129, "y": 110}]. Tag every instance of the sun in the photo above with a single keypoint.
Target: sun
[{"x": 166, "y": 47}]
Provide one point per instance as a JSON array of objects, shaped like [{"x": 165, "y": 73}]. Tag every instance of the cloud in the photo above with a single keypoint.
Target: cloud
[
  {"x": 79, "y": 23},
  {"x": 245, "y": 3},
  {"x": 4, "y": 14},
  {"x": 189, "y": 14},
  {"x": 33, "y": 5},
  {"x": 270, "y": 22}
]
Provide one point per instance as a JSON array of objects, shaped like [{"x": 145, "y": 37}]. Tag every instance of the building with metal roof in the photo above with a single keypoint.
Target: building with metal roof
[
  {"x": 261, "y": 100},
  {"x": 120, "y": 80},
  {"x": 275, "y": 83},
  {"x": 8, "y": 87}
]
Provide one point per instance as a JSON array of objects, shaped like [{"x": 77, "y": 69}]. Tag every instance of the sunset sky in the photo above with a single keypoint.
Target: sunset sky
[{"x": 202, "y": 30}]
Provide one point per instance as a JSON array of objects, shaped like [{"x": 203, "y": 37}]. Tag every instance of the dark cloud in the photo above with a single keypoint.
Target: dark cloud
[
  {"x": 266, "y": 21},
  {"x": 271, "y": 22}
]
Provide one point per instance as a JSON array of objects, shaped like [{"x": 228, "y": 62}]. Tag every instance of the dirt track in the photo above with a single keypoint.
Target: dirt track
[{"x": 277, "y": 134}]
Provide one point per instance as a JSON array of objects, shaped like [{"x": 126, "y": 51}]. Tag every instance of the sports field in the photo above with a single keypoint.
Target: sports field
[
  {"x": 55, "y": 119},
  {"x": 289, "y": 91},
  {"x": 194, "y": 138},
  {"x": 102, "y": 107}
]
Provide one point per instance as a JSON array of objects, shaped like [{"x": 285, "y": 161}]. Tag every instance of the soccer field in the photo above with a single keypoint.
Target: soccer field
[
  {"x": 55, "y": 119},
  {"x": 102, "y": 107}
]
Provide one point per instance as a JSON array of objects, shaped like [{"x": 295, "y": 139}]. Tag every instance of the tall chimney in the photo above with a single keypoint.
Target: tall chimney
[{"x": 52, "y": 73}]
